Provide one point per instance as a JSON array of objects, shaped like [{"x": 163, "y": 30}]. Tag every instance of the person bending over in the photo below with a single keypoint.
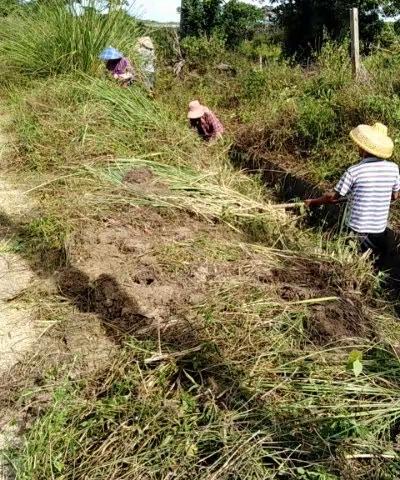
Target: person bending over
[
  {"x": 205, "y": 122},
  {"x": 118, "y": 66}
]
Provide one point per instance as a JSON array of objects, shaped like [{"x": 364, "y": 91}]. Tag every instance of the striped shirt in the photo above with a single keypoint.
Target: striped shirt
[{"x": 371, "y": 184}]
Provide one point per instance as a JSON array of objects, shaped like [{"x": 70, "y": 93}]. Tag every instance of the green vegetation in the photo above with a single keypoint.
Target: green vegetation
[
  {"x": 279, "y": 356},
  {"x": 232, "y": 21},
  {"x": 303, "y": 116},
  {"x": 143, "y": 419},
  {"x": 46, "y": 40},
  {"x": 307, "y": 24}
]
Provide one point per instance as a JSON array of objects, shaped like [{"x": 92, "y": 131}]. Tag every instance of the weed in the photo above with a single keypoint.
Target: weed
[
  {"x": 43, "y": 240},
  {"x": 199, "y": 51},
  {"x": 316, "y": 123}
]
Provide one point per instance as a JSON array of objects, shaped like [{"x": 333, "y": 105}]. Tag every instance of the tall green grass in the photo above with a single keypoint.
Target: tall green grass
[
  {"x": 73, "y": 118},
  {"x": 52, "y": 38}
]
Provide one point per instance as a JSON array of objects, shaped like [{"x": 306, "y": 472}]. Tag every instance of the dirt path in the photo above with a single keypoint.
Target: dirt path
[{"x": 17, "y": 326}]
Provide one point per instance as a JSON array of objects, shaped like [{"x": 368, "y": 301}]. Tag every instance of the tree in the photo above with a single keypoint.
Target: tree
[
  {"x": 308, "y": 23},
  {"x": 199, "y": 17},
  {"x": 234, "y": 20},
  {"x": 240, "y": 21}
]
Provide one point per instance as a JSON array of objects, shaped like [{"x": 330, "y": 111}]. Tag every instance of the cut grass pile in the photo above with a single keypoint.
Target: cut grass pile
[{"x": 210, "y": 195}]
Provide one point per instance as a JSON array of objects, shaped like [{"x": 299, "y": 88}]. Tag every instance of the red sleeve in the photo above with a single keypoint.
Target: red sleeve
[{"x": 214, "y": 124}]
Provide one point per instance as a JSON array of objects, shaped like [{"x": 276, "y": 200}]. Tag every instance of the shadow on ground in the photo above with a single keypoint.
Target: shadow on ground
[{"x": 103, "y": 296}]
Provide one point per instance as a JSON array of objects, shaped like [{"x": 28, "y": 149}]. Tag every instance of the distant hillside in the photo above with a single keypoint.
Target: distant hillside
[{"x": 155, "y": 24}]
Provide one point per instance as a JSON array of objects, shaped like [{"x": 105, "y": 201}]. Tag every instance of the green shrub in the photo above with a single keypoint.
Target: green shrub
[
  {"x": 254, "y": 50},
  {"x": 255, "y": 83},
  {"x": 276, "y": 80},
  {"x": 202, "y": 51},
  {"x": 381, "y": 108},
  {"x": 167, "y": 44},
  {"x": 317, "y": 122},
  {"x": 333, "y": 72}
]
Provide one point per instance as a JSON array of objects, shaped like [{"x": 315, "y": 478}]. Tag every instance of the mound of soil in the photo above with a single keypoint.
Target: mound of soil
[
  {"x": 118, "y": 271},
  {"x": 329, "y": 321},
  {"x": 138, "y": 176},
  {"x": 137, "y": 272},
  {"x": 339, "y": 320},
  {"x": 303, "y": 279},
  {"x": 143, "y": 180}
]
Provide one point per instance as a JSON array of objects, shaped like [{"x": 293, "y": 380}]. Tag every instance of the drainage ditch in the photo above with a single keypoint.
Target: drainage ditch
[{"x": 289, "y": 187}]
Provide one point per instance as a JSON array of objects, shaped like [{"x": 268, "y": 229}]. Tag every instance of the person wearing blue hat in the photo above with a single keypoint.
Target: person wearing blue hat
[{"x": 119, "y": 67}]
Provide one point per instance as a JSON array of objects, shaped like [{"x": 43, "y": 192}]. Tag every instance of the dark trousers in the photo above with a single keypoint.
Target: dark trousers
[
  {"x": 378, "y": 243},
  {"x": 385, "y": 247}
]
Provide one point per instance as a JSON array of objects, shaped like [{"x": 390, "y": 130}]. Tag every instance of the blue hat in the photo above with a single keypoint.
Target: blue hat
[{"x": 110, "y": 53}]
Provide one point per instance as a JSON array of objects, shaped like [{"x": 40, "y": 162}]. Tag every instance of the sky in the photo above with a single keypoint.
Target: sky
[{"x": 161, "y": 10}]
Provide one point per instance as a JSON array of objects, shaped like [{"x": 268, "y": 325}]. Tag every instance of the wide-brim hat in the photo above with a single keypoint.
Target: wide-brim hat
[
  {"x": 196, "y": 110},
  {"x": 146, "y": 42},
  {"x": 373, "y": 139},
  {"x": 110, "y": 53}
]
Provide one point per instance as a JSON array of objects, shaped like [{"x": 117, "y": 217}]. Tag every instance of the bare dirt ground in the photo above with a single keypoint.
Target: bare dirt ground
[
  {"x": 141, "y": 271},
  {"x": 18, "y": 331}
]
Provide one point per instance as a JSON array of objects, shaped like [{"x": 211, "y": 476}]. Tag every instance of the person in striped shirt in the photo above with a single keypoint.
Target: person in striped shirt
[{"x": 372, "y": 184}]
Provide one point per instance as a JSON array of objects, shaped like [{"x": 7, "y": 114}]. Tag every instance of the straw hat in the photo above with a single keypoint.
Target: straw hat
[
  {"x": 196, "y": 110},
  {"x": 374, "y": 140},
  {"x": 146, "y": 42}
]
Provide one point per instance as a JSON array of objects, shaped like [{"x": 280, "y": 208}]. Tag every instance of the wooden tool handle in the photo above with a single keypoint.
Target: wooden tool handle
[
  {"x": 317, "y": 202},
  {"x": 314, "y": 202}
]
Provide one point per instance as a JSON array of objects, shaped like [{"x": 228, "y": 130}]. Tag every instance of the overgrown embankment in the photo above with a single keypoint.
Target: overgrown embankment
[{"x": 242, "y": 344}]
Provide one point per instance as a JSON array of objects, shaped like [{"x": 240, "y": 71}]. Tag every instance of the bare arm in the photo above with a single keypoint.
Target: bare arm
[{"x": 326, "y": 199}]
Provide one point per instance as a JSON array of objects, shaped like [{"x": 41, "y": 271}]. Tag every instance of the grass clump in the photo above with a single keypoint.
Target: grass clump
[{"x": 52, "y": 38}]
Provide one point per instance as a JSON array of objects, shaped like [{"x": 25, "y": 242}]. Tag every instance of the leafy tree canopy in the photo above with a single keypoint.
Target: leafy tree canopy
[
  {"x": 308, "y": 23},
  {"x": 232, "y": 20},
  {"x": 240, "y": 21},
  {"x": 199, "y": 17}
]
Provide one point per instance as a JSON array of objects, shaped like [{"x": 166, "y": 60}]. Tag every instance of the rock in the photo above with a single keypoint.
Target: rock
[{"x": 196, "y": 299}]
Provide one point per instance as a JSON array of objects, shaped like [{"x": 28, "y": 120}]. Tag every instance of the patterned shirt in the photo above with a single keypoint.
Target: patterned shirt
[
  {"x": 210, "y": 125},
  {"x": 371, "y": 184},
  {"x": 120, "y": 68},
  {"x": 148, "y": 59}
]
